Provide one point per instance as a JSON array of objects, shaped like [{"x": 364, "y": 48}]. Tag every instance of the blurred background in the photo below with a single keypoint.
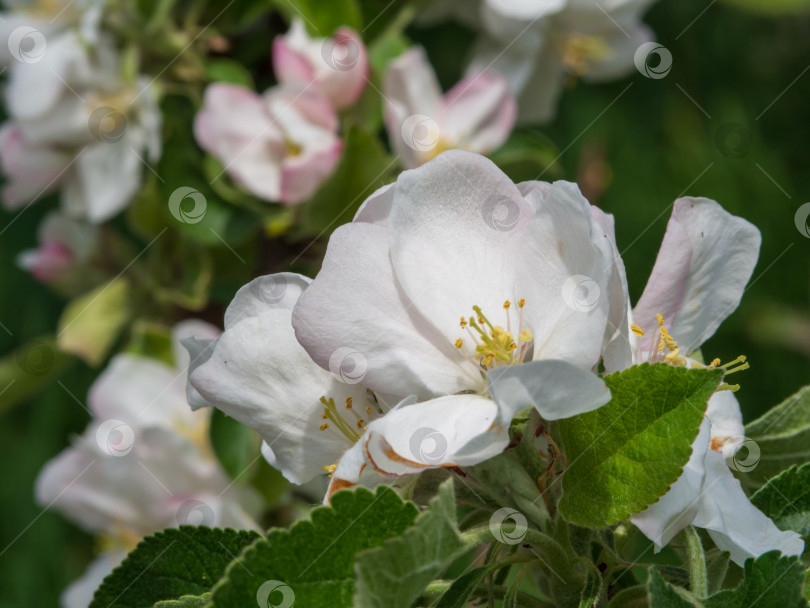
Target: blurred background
[{"x": 729, "y": 122}]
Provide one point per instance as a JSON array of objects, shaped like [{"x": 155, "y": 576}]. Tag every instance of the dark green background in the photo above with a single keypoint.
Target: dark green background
[{"x": 655, "y": 142}]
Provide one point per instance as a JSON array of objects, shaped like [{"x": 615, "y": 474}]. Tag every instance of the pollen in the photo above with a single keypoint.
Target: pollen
[
  {"x": 459, "y": 343},
  {"x": 463, "y": 323},
  {"x": 495, "y": 345},
  {"x": 521, "y": 302},
  {"x": 507, "y": 305},
  {"x": 636, "y": 330},
  {"x": 324, "y": 426},
  {"x": 348, "y": 403}
]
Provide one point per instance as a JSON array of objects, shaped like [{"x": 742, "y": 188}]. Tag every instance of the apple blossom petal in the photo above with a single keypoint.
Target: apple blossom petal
[
  {"x": 721, "y": 251},
  {"x": 345, "y": 67},
  {"x": 346, "y": 316},
  {"x": 353, "y": 470},
  {"x": 290, "y": 65},
  {"x": 526, "y": 9},
  {"x": 279, "y": 291},
  {"x": 619, "y": 61},
  {"x": 31, "y": 170},
  {"x": 461, "y": 209},
  {"x": 260, "y": 375},
  {"x": 140, "y": 392},
  {"x": 302, "y": 175},
  {"x": 377, "y": 207},
  {"x": 199, "y": 352},
  {"x": 676, "y": 509},
  {"x": 79, "y": 594},
  {"x": 563, "y": 271},
  {"x": 478, "y": 113},
  {"x": 189, "y": 328},
  {"x": 516, "y": 61},
  {"x": 728, "y": 431},
  {"x": 456, "y": 430},
  {"x": 734, "y": 524},
  {"x": 556, "y": 388}
]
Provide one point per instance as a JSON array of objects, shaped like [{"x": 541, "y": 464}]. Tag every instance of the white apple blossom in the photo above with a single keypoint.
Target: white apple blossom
[
  {"x": 143, "y": 464},
  {"x": 279, "y": 146},
  {"x": 706, "y": 258},
  {"x": 477, "y": 114},
  {"x": 537, "y": 44},
  {"x": 337, "y": 66}
]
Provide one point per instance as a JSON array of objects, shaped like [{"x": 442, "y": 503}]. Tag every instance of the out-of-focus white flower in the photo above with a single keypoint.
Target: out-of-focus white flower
[
  {"x": 143, "y": 464},
  {"x": 536, "y": 44},
  {"x": 337, "y": 67},
  {"x": 279, "y": 146},
  {"x": 77, "y": 126},
  {"x": 477, "y": 114},
  {"x": 65, "y": 246},
  {"x": 705, "y": 261}
]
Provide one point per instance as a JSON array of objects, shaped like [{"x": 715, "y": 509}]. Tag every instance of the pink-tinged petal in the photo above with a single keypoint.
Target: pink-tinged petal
[
  {"x": 461, "y": 209},
  {"x": 344, "y": 315},
  {"x": 735, "y": 524},
  {"x": 345, "y": 67},
  {"x": 290, "y": 65},
  {"x": 47, "y": 263},
  {"x": 699, "y": 276},
  {"x": 295, "y": 108},
  {"x": 413, "y": 106},
  {"x": 556, "y": 388},
  {"x": 478, "y": 113},
  {"x": 377, "y": 207},
  {"x": 302, "y": 175},
  {"x": 456, "y": 430},
  {"x": 676, "y": 509}
]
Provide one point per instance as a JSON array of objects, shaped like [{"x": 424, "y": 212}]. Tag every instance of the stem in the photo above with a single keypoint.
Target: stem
[{"x": 697, "y": 563}]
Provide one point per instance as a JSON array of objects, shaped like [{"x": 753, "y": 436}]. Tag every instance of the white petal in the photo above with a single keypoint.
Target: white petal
[
  {"x": 556, "y": 388},
  {"x": 455, "y": 430},
  {"x": 274, "y": 291},
  {"x": 377, "y": 207},
  {"x": 354, "y": 313},
  {"x": 699, "y": 276},
  {"x": 676, "y": 509},
  {"x": 733, "y": 522},
  {"x": 728, "y": 431},
  {"x": 260, "y": 375},
  {"x": 354, "y": 470},
  {"x": 79, "y": 594}
]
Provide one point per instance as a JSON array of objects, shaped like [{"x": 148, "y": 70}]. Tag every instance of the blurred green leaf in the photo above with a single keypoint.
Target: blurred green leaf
[
  {"x": 171, "y": 564},
  {"x": 395, "y": 574},
  {"x": 526, "y": 155},
  {"x": 151, "y": 340},
  {"x": 235, "y": 445},
  {"x": 30, "y": 368},
  {"x": 786, "y": 499},
  {"x": 625, "y": 455},
  {"x": 230, "y": 71},
  {"x": 782, "y": 436},
  {"x": 364, "y": 167},
  {"x": 771, "y": 7},
  {"x": 187, "y": 601},
  {"x": 323, "y": 18},
  {"x": 90, "y": 324},
  {"x": 315, "y": 558}
]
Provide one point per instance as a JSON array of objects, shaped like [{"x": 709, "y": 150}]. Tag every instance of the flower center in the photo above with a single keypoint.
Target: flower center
[
  {"x": 664, "y": 349},
  {"x": 578, "y": 51},
  {"x": 494, "y": 345}
]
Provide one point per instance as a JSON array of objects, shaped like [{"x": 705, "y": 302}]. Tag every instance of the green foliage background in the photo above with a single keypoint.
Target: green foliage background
[{"x": 656, "y": 145}]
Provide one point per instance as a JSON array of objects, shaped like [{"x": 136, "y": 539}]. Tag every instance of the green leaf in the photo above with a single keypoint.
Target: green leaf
[
  {"x": 30, "y": 368},
  {"x": 187, "y": 601},
  {"x": 460, "y": 592},
  {"x": 151, "y": 340},
  {"x": 394, "y": 575},
  {"x": 772, "y": 7},
  {"x": 315, "y": 558},
  {"x": 786, "y": 499},
  {"x": 782, "y": 436},
  {"x": 770, "y": 581},
  {"x": 626, "y": 454},
  {"x": 323, "y": 18},
  {"x": 364, "y": 167},
  {"x": 230, "y": 71},
  {"x": 91, "y": 323},
  {"x": 235, "y": 445},
  {"x": 171, "y": 564}
]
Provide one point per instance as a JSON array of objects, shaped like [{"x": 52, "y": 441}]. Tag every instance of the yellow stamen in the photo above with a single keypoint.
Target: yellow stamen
[
  {"x": 463, "y": 323},
  {"x": 521, "y": 302},
  {"x": 459, "y": 343},
  {"x": 324, "y": 426},
  {"x": 348, "y": 403},
  {"x": 660, "y": 318},
  {"x": 525, "y": 335},
  {"x": 507, "y": 305},
  {"x": 636, "y": 330}
]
